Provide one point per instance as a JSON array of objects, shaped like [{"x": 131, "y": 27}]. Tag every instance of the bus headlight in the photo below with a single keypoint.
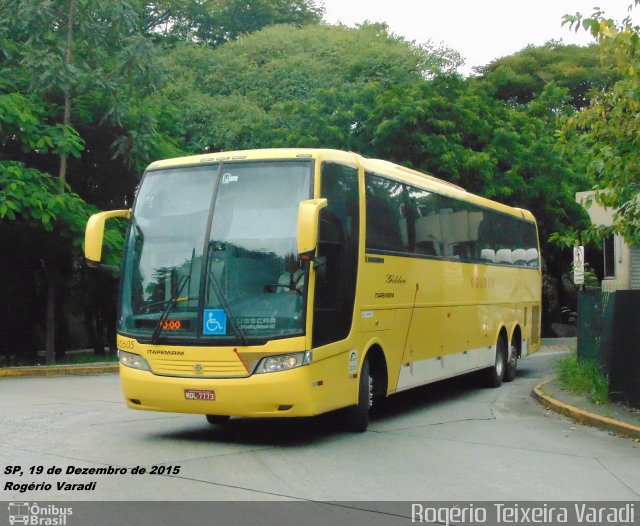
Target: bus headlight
[
  {"x": 135, "y": 361},
  {"x": 284, "y": 362}
]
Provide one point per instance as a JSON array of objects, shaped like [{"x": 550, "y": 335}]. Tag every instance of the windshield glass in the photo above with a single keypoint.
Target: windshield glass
[{"x": 211, "y": 253}]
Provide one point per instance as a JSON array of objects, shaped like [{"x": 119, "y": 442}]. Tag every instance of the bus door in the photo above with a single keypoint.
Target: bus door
[{"x": 337, "y": 262}]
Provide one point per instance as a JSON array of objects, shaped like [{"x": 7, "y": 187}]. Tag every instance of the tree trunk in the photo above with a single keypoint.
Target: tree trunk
[
  {"x": 66, "y": 117},
  {"x": 62, "y": 177},
  {"x": 51, "y": 316}
]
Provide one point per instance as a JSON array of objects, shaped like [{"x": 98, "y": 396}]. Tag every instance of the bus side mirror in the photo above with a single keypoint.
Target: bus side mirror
[
  {"x": 94, "y": 235},
  {"x": 308, "y": 221}
]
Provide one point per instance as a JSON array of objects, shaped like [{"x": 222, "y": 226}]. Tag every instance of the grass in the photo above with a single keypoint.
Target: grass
[
  {"x": 87, "y": 358},
  {"x": 82, "y": 357},
  {"x": 583, "y": 377},
  {"x": 76, "y": 357}
]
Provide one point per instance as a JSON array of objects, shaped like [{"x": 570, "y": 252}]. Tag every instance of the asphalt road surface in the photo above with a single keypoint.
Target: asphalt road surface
[{"x": 450, "y": 441}]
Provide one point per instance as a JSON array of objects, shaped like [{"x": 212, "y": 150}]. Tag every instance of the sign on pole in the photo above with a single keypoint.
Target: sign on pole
[{"x": 578, "y": 265}]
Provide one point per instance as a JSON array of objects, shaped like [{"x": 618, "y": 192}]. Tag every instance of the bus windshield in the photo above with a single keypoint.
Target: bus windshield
[{"x": 211, "y": 253}]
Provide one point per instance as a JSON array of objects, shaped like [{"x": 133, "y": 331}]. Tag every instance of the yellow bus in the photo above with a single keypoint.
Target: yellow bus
[{"x": 294, "y": 282}]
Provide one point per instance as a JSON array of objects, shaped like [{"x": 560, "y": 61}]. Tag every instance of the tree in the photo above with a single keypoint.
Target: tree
[
  {"x": 608, "y": 130},
  {"x": 78, "y": 63},
  {"x": 455, "y": 129},
  {"x": 34, "y": 213},
  {"x": 521, "y": 77},
  {"x": 216, "y": 22},
  {"x": 258, "y": 91}
]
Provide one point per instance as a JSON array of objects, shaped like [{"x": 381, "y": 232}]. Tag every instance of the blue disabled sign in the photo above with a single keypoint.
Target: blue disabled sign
[{"x": 215, "y": 322}]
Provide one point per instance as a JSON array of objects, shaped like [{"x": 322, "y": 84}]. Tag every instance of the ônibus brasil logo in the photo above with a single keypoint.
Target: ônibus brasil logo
[{"x": 33, "y": 514}]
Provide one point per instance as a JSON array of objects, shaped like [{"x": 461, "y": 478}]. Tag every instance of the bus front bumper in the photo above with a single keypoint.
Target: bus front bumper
[{"x": 280, "y": 394}]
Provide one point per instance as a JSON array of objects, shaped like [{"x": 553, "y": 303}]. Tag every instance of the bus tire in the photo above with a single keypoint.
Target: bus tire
[
  {"x": 511, "y": 366},
  {"x": 357, "y": 416},
  {"x": 494, "y": 375},
  {"x": 217, "y": 419}
]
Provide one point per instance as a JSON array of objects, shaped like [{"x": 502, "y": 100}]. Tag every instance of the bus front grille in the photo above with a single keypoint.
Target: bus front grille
[{"x": 199, "y": 369}]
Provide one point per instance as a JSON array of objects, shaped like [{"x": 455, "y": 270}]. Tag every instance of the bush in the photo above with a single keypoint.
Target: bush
[{"x": 583, "y": 377}]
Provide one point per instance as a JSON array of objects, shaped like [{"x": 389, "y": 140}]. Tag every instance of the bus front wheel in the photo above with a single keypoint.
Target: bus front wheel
[
  {"x": 495, "y": 374},
  {"x": 357, "y": 416},
  {"x": 217, "y": 419}
]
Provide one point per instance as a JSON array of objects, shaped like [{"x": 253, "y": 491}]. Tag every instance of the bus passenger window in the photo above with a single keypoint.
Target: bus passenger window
[{"x": 386, "y": 221}]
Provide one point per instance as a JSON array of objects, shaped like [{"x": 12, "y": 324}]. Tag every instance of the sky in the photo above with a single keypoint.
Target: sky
[{"x": 480, "y": 30}]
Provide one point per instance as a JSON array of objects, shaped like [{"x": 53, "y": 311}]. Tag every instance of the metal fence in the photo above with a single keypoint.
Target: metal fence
[
  {"x": 609, "y": 334},
  {"x": 595, "y": 326}
]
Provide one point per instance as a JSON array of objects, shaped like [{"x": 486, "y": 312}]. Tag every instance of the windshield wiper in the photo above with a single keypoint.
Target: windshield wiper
[
  {"x": 170, "y": 303},
  {"x": 227, "y": 308}
]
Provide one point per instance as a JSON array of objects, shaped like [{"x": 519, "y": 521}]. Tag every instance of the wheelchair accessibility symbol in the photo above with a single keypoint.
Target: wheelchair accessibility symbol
[{"x": 215, "y": 322}]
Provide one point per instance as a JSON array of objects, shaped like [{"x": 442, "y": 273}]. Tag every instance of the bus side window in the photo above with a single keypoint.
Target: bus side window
[
  {"x": 424, "y": 222},
  {"x": 386, "y": 215}
]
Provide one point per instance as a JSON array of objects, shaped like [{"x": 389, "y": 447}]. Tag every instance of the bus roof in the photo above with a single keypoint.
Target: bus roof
[{"x": 377, "y": 166}]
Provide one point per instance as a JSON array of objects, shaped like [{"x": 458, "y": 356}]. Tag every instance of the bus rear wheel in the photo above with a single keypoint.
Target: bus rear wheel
[
  {"x": 495, "y": 374},
  {"x": 511, "y": 366}
]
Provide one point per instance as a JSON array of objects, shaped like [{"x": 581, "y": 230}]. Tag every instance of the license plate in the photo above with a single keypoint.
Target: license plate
[{"x": 199, "y": 394}]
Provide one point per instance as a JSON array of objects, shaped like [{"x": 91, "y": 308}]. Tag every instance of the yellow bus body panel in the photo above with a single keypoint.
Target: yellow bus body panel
[{"x": 444, "y": 311}]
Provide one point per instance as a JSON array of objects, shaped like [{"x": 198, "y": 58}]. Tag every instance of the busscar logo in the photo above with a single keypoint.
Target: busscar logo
[{"x": 33, "y": 514}]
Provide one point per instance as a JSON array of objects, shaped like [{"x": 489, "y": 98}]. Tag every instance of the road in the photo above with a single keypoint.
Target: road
[{"x": 449, "y": 441}]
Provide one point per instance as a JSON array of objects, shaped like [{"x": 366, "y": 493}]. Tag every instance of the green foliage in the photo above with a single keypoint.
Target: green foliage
[
  {"x": 283, "y": 63},
  {"x": 25, "y": 192},
  {"x": 109, "y": 72},
  {"x": 269, "y": 87},
  {"x": 28, "y": 194},
  {"x": 32, "y": 196},
  {"x": 608, "y": 130},
  {"x": 520, "y": 78},
  {"x": 22, "y": 122},
  {"x": 216, "y": 22},
  {"x": 591, "y": 281},
  {"x": 583, "y": 377}
]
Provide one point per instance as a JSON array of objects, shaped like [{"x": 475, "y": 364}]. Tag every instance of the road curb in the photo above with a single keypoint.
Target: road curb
[
  {"x": 584, "y": 417},
  {"x": 59, "y": 370}
]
